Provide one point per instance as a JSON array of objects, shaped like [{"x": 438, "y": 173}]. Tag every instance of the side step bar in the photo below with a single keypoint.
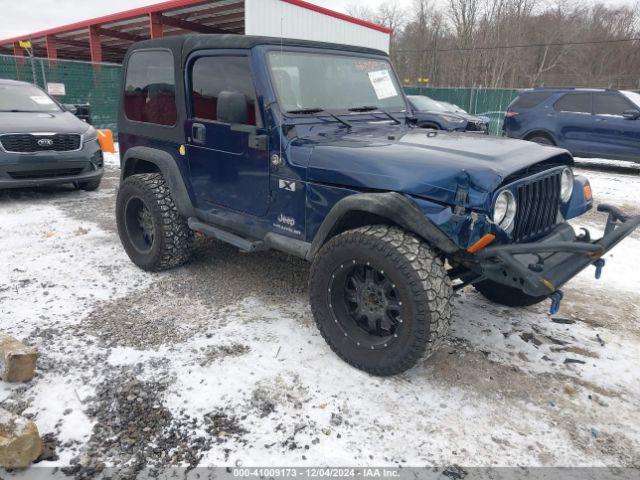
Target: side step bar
[{"x": 227, "y": 237}]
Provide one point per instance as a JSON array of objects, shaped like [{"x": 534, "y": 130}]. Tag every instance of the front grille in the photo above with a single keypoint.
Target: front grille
[
  {"x": 29, "y": 143},
  {"x": 538, "y": 204},
  {"x": 39, "y": 174},
  {"x": 477, "y": 127}
]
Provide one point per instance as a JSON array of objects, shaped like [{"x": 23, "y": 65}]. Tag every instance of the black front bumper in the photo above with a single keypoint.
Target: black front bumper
[
  {"x": 541, "y": 268},
  {"x": 19, "y": 170}
]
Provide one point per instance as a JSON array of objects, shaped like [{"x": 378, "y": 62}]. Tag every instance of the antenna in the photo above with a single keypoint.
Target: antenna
[{"x": 280, "y": 130}]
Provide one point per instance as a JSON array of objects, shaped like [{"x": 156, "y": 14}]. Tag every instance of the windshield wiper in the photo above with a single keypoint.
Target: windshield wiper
[
  {"x": 371, "y": 108},
  {"x": 311, "y": 111}
]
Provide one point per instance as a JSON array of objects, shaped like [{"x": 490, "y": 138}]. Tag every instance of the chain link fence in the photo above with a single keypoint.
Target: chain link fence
[{"x": 97, "y": 85}]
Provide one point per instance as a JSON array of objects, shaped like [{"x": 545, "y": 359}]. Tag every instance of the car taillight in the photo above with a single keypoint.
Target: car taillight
[{"x": 511, "y": 114}]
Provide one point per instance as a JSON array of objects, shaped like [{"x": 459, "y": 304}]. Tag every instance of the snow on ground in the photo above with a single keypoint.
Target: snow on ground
[{"x": 220, "y": 363}]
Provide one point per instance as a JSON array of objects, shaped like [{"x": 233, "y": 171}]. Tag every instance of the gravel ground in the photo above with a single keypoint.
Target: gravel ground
[{"x": 219, "y": 362}]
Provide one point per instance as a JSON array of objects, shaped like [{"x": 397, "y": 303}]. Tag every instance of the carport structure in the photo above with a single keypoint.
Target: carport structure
[{"x": 106, "y": 39}]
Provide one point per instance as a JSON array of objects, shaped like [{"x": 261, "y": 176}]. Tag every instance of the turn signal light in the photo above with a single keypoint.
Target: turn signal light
[
  {"x": 588, "y": 193},
  {"x": 482, "y": 243}
]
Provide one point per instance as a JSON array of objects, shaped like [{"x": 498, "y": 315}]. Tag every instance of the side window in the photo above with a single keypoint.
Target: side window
[
  {"x": 212, "y": 75},
  {"x": 575, "y": 103},
  {"x": 150, "y": 88},
  {"x": 530, "y": 99},
  {"x": 610, "y": 104}
]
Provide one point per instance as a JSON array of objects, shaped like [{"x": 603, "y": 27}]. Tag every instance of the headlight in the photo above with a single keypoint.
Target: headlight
[
  {"x": 504, "y": 210},
  {"x": 452, "y": 119},
  {"x": 90, "y": 134},
  {"x": 566, "y": 184}
]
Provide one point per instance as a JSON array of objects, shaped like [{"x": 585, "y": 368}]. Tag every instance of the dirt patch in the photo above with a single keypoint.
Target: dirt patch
[
  {"x": 612, "y": 443},
  {"x": 134, "y": 430},
  {"x": 577, "y": 350},
  {"x": 223, "y": 426},
  {"x": 213, "y": 353},
  {"x": 620, "y": 313},
  {"x": 147, "y": 318}
]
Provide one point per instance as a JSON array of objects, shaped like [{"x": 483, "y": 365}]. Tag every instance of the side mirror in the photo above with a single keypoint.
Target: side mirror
[
  {"x": 631, "y": 114},
  {"x": 69, "y": 107},
  {"x": 232, "y": 108}
]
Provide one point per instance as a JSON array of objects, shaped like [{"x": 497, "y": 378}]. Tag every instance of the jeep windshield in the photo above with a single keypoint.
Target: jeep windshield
[
  {"x": 25, "y": 98},
  {"x": 320, "y": 82}
]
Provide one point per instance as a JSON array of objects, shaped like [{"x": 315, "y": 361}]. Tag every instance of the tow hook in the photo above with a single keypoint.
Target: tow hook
[
  {"x": 599, "y": 264},
  {"x": 556, "y": 298}
]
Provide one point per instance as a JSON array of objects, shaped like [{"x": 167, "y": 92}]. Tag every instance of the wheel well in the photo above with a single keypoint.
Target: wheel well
[
  {"x": 540, "y": 133},
  {"x": 135, "y": 166},
  {"x": 356, "y": 219},
  {"x": 430, "y": 125}
]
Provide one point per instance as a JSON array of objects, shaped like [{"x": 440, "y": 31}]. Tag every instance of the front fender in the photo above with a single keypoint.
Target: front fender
[
  {"x": 395, "y": 207},
  {"x": 578, "y": 204}
]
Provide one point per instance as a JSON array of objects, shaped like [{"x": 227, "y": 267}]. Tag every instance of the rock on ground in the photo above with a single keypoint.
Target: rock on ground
[
  {"x": 17, "y": 360},
  {"x": 20, "y": 442}
]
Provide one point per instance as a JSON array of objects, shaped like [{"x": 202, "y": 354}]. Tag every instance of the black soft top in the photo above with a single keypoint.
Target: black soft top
[{"x": 185, "y": 44}]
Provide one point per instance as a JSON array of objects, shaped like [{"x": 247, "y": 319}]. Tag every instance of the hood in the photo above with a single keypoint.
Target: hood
[
  {"x": 468, "y": 117},
  {"x": 39, "y": 122},
  {"x": 423, "y": 163}
]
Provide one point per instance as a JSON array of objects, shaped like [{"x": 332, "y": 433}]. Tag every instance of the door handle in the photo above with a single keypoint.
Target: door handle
[{"x": 198, "y": 133}]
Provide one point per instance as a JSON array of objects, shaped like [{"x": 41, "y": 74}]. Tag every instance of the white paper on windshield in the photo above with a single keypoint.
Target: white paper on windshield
[
  {"x": 382, "y": 84},
  {"x": 42, "y": 100}
]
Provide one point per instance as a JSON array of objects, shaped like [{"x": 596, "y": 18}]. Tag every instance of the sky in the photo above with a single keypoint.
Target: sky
[{"x": 25, "y": 17}]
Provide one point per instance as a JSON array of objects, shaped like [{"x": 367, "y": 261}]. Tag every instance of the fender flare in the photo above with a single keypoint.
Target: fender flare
[
  {"x": 169, "y": 170},
  {"x": 395, "y": 207}
]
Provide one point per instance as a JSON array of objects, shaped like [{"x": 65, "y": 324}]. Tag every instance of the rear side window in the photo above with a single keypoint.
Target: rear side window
[
  {"x": 150, "y": 88},
  {"x": 610, "y": 103},
  {"x": 530, "y": 99},
  {"x": 575, "y": 103},
  {"x": 212, "y": 75}
]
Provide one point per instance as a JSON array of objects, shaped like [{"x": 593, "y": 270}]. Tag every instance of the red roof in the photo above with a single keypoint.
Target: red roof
[{"x": 117, "y": 31}]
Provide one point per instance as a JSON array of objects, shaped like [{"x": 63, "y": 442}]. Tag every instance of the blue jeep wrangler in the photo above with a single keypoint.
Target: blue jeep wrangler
[{"x": 311, "y": 149}]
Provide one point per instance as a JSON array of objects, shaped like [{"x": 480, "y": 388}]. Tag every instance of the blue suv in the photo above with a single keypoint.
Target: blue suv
[
  {"x": 311, "y": 149},
  {"x": 587, "y": 122}
]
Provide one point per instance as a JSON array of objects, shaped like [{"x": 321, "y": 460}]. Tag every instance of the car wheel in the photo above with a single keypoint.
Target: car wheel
[
  {"x": 381, "y": 298},
  {"x": 154, "y": 234},
  {"x": 542, "y": 140},
  {"x": 430, "y": 126},
  {"x": 89, "y": 186},
  {"x": 505, "y": 295}
]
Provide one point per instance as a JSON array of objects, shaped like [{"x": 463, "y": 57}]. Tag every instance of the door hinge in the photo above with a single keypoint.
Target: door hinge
[{"x": 258, "y": 142}]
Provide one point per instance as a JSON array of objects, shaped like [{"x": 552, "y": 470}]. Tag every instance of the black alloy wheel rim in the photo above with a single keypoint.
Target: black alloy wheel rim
[
  {"x": 139, "y": 223},
  {"x": 365, "y": 304}
]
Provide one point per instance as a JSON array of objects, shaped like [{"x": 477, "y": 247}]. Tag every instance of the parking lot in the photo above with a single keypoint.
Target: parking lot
[{"x": 122, "y": 354}]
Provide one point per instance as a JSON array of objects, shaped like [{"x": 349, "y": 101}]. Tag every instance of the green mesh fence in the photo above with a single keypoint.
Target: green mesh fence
[
  {"x": 97, "y": 85},
  {"x": 487, "y": 102}
]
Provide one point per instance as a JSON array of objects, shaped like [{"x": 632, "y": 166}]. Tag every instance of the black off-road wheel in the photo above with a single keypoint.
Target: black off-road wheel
[
  {"x": 381, "y": 298},
  {"x": 504, "y": 295},
  {"x": 154, "y": 234},
  {"x": 90, "y": 186}
]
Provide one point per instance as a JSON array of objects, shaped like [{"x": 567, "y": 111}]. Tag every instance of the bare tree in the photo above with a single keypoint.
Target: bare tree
[{"x": 514, "y": 43}]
